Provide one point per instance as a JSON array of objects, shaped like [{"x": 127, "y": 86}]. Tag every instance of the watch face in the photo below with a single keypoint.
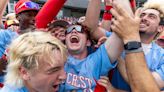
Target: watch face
[{"x": 132, "y": 45}]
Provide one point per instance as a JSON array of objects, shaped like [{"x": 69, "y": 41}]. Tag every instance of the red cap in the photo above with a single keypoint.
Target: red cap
[{"x": 24, "y": 5}]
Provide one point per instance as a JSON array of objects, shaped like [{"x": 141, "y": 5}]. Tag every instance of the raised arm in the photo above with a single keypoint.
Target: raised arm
[
  {"x": 114, "y": 44},
  {"x": 127, "y": 27},
  {"x": 139, "y": 75},
  {"x": 48, "y": 12},
  {"x": 3, "y": 5},
  {"x": 122, "y": 68},
  {"x": 105, "y": 23},
  {"x": 93, "y": 14}
]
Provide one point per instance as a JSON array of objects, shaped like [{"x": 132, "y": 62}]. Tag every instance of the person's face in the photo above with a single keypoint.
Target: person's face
[
  {"x": 149, "y": 21},
  {"x": 27, "y": 19},
  {"x": 76, "y": 41},
  {"x": 58, "y": 32},
  {"x": 48, "y": 77}
]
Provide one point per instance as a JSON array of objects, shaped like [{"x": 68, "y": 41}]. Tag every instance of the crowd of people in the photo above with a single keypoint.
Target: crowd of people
[{"x": 123, "y": 52}]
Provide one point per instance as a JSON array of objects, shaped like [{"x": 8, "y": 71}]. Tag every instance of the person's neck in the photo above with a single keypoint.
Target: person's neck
[
  {"x": 24, "y": 30},
  {"x": 146, "y": 39},
  {"x": 79, "y": 55},
  {"x": 29, "y": 88}
]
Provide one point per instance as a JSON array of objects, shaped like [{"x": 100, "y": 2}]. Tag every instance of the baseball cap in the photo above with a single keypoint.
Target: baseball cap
[
  {"x": 56, "y": 23},
  {"x": 24, "y": 5}
]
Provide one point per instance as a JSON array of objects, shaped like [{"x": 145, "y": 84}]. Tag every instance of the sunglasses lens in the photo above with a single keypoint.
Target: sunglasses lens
[
  {"x": 76, "y": 27},
  {"x": 69, "y": 29}
]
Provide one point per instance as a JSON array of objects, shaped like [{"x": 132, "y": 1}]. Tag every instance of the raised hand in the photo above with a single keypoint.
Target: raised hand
[{"x": 124, "y": 24}]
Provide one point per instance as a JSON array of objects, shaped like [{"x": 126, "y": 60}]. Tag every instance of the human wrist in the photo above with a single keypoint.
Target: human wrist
[
  {"x": 132, "y": 38},
  {"x": 133, "y": 47}
]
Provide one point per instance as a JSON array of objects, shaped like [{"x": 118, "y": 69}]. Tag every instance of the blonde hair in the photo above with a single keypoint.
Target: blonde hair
[
  {"x": 26, "y": 50},
  {"x": 155, "y": 4}
]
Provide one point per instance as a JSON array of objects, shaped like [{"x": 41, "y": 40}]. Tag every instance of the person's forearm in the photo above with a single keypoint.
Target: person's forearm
[
  {"x": 122, "y": 69},
  {"x": 158, "y": 79},
  {"x": 106, "y": 24},
  {"x": 114, "y": 46},
  {"x": 3, "y": 5},
  {"x": 139, "y": 76},
  {"x": 93, "y": 14},
  {"x": 48, "y": 12}
]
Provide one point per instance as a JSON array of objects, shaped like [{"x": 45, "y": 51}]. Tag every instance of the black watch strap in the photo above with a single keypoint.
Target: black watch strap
[{"x": 133, "y": 45}]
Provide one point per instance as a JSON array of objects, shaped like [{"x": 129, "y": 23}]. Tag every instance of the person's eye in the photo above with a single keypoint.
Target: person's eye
[
  {"x": 152, "y": 16},
  {"x": 142, "y": 15},
  {"x": 53, "y": 70}
]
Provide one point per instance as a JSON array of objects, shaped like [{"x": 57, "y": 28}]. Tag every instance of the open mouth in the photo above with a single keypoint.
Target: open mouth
[
  {"x": 56, "y": 87},
  {"x": 74, "y": 39},
  {"x": 161, "y": 41}
]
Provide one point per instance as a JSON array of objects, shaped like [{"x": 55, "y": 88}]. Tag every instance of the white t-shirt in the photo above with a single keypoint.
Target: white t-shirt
[{"x": 146, "y": 48}]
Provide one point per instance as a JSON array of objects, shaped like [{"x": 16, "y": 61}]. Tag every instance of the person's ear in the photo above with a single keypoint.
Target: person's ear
[
  {"x": 160, "y": 28},
  {"x": 24, "y": 73},
  {"x": 17, "y": 17}
]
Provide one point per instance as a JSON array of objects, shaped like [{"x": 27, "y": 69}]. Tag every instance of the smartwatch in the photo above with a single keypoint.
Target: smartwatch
[{"x": 133, "y": 47}]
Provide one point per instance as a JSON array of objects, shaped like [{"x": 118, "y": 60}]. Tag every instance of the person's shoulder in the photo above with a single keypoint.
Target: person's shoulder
[
  {"x": 6, "y": 31},
  {"x": 155, "y": 46},
  {"x": 7, "y": 88}
]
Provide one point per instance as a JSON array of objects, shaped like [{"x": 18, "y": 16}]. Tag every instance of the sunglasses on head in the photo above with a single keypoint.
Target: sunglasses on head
[
  {"x": 30, "y": 5},
  {"x": 78, "y": 28}
]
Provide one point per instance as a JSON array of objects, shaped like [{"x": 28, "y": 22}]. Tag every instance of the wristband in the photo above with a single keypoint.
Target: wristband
[
  {"x": 132, "y": 45},
  {"x": 107, "y": 15}
]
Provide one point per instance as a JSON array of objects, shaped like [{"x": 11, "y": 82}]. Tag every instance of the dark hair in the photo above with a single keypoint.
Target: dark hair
[{"x": 51, "y": 26}]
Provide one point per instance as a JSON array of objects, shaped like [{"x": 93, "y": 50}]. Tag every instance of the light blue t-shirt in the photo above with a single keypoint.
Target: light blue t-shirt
[
  {"x": 155, "y": 62},
  {"x": 8, "y": 88},
  {"x": 6, "y": 36},
  {"x": 1, "y": 78},
  {"x": 81, "y": 74},
  {"x": 107, "y": 33}
]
